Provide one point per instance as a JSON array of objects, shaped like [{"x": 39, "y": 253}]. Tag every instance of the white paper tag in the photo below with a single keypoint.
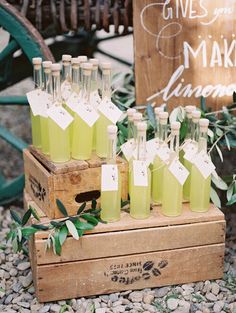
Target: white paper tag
[
  {"x": 73, "y": 101},
  {"x": 109, "y": 177},
  {"x": 152, "y": 147},
  {"x": 66, "y": 90},
  {"x": 39, "y": 101},
  {"x": 164, "y": 153},
  {"x": 185, "y": 144},
  {"x": 95, "y": 99},
  {"x": 127, "y": 148},
  {"x": 110, "y": 110},
  {"x": 204, "y": 164},
  {"x": 190, "y": 151},
  {"x": 140, "y": 173},
  {"x": 179, "y": 171},
  {"x": 60, "y": 116},
  {"x": 87, "y": 112}
]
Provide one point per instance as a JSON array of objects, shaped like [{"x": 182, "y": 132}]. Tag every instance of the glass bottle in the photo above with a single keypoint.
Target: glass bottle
[
  {"x": 130, "y": 113},
  {"x": 35, "y": 119},
  {"x": 44, "y": 120},
  {"x": 158, "y": 164},
  {"x": 192, "y": 145},
  {"x": 82, "y": 133},
  {"x": 82, "y": 59},
  {"x": 103, "y": 122},
  {"x": 172, "y": 189},
  {"x": 200, "y": 187},
  {"x": 66, "y": 76},
  {"x": 157, "y": 112},
  {"x": 140, "y": 196},
  {"x": 111, "y": 200},
  {"x": 59, "y": 139}
]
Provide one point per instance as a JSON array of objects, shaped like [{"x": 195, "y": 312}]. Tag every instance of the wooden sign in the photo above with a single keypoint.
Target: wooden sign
[{"x": 185, "y": 49}]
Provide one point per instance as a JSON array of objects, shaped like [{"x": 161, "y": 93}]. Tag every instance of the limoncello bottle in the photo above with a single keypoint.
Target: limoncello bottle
[
  {"x": 59, "y": 139},
  {"x": 103, "y": 122},
  {"x": 188, "y": 121},
  {"x": 35, "y": 119},
  {"x": 44, "y": 120},
  {"x": 82, "y": 59},
  {"x": 200, "y": 186},
  {"x": 190, "y": 150},
  {"x": 158, "y": 163},
  {"x": 82, "y": 133},
  {"x": 140, "y": 184},
  {"x": 66, "y": 88},
  {"x": 111, "y": 195},
  {"x": 172, "y": 189}
]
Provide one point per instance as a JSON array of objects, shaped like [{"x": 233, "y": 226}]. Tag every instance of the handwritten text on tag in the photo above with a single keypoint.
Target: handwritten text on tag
[
  {"x": 110, "y": 110},
  {"x": 109, "y": 177},
  {"x": 140, "y": 172},
  {"x": 39, "y": 101},
  {"x": 204, "y": 164},
  {"x": 179, "y": 171},
  {"x": 127, "y": 148},
  {"x": 60, "y": 116}
]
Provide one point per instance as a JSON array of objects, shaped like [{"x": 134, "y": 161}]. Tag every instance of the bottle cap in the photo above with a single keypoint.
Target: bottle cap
[
  {"x": 75, "y": 61},
  {"x": 137, "y": 117},
  {"x": 37, "y": 61},
  {"x": 175, "y": 127},
  {"x": 158, "y": 110},
  {"x": 142, "y": 126},
  {"x": 203, "y": 123},
  {"x": 66, "y": 58},
  {"x": 189, "y": 109},
  {"x": 82, "y": 58},
  {"x": 112, "y": 131},
  {"x": 95, "y": 62},
  {"x": 47, "y": 64},
  {"x": 106, "y": 66},
  {"x": 163, "y": 117},
  {"x": 196, "y": 116},
  {"x": 56, "y": 67},
  {"x": 130, "y": 113}
]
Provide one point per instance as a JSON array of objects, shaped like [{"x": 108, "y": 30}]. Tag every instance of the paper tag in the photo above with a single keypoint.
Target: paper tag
[
  {"x": 164, "y": 153},
  {"x": 60, "y": 116},
  {"x": 87, "y": 112},
  {"x": 204, "y": 164},
  {"x": 73, "y": 101},
  {"x": 95, "y": 99},
  {"x": 190, "y": 151},
  {"x": 140, "y": 173},
  {"x": 39, "y": 101},
  {"x": 66, "y": 90},
  {"x": 179, "y": 171},
  {"x": 109, "y": 177},
  {"x": 185, "y": 145},
  {"x": 152, "y": 147},
  {"x": 127, "y": 148},
  {"x": 110, "y": 110}
]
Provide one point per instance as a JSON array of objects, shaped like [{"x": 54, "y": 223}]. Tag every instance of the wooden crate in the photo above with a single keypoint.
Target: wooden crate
[
  {"x": 72, "y": 182},
  {"x": 130, "y": 254}
]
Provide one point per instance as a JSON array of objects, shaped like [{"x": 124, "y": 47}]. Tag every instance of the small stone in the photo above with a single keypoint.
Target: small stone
[
  {"x": 8, "y": 299},
  {"x": 44, "y": 309},
  {"x": 26, "y": 280},
  {"x": 215, "y": 288},
  {"x": 161, "y": 292},
  {"x": 211, "y": 297},
  {"x": 55, "y": 308},
  {"x": 23, "y": 304},
  {"x": 119, "y": 309},
  {"x": 218, "y": 306},
  {"x": 117, "y": 303},
  {"x": 148, "y": 298},
  {"x": 13, "y": 272},
  {"x": 172, "y": 303},
  {"x": 136, "y": 296},
  {"x": 113, "y": 297},
  {"x": 149, "y": 308},
  {"x": 23, "y": 266},
  {"x": 101, "y": 310}
]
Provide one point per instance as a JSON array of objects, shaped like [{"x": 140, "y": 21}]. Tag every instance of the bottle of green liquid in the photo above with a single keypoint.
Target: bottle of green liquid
[
  {"x": 82, "y": 59},
  {"x": 111, "y": 181},
  {"x": 159, "y": 160},
  {"x": 103, "y": 122},
  {"x": 83, "y": 133},
  {"x": 44, "y": 120},
  {"x": 127, "y": 148},
  {"x": 172, "y": 189},
  {"x": 190, "y": 150},
  {"x": 35, "y": 119},
  {"x": 59, "y": 138},
  {"x": 66, "y": 87},
  {"x": 140, "y": 185},
  {"x": 200, "y": 185}
]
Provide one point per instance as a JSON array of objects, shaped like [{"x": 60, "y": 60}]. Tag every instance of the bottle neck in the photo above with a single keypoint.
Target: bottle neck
[
  {"x": 157, "y": 132},
  {"x": 75, "y": 78},
  {"x": 66, "y": 74},
  {"x": 189, "y": 128},
  {"x": 130, "y": 129},
  {"x": 94, "y": 79},
  {"x": 106, "y": 84},
  {"x": 195, "y": 132},
  {"x": 202, "y": 142},
  {"x": 111, "y": 156},
  {"x": 38, "y": 78},
  {"x": 163, "y": 133},
  {"x": 86, "y": 87},
  {"x": 174, "y": 145},
  {"x": 56, "y": 85},
  {"x": 48, "y": 81},
  {"x": 141, "y": 146}
]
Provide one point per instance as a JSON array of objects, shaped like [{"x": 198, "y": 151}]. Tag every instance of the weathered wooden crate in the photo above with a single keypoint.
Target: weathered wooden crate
[
  {"x": 130, "y": 254},
  {"x": 72, "y": 182}
]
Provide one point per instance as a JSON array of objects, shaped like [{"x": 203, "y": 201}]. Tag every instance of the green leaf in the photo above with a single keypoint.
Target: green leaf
[
  {"x": 40, "y": 227},
  {"x": 203, "y": 104},
  {"x": 94, "y": 204},
  {"x": 230, "y": 191},
  {"x": 34, "y": 213},
  {"x": 72, "y": 229},
  {"x": 63, "y": 234},
  {"x": 101, "y": 221},
  {"x": 227, "y": 142},
  {"x": 219, "y": 132},
  {"x": 123, "y": 130},
  {"x": 26, "y": 217},
  {"x": 232, "y": 200},
  {"x": 19, "y": 234},
  {"x": 15, "y": 245},
  {"x": 215, "y": 198},
  {"x": 15, "y": 217},
  {"x": 151, "y": 116},
  {"x": 220, "y": 153},
  {"x": 57, "y": 243},
  {"x": 56, "y": 224},
  {"x": 80, "y": 232},
  {"x": 83, "y": 226},
  {"x": 81, "y": 208},
  {"x": 61, "y": 207},
  {"x": 91, "y": 219},
  {"x": 219, "y": 183},
  {"x": 28, "y": 231}
]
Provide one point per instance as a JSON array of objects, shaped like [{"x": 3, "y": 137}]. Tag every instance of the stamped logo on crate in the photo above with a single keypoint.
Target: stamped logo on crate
[
  {"x": 37, "y": 189},
  {"x": 131, "y": 272}
]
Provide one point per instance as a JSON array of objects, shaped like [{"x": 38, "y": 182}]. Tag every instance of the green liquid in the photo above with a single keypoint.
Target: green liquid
[
  {"x": 36, "y": 133},
  {"x": 59, "y": 142},
  {"x": 111, "y": 204},
  {"x": 72, "y": 113},
  {"x": 140, "y": 198},
  {"x": 44, "y": 134},
  {"x": 172, "y": 195},
  {"x": 94, "y": 137},
  {"x": 101, "y": 136},
  {"x": 82, "y": 139},
  {"x": 157, "y": 180},
  {"x": 199, "y": 191},
  {"x": 181, "y": 156},
  {"x": 186, "y": 188}
]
